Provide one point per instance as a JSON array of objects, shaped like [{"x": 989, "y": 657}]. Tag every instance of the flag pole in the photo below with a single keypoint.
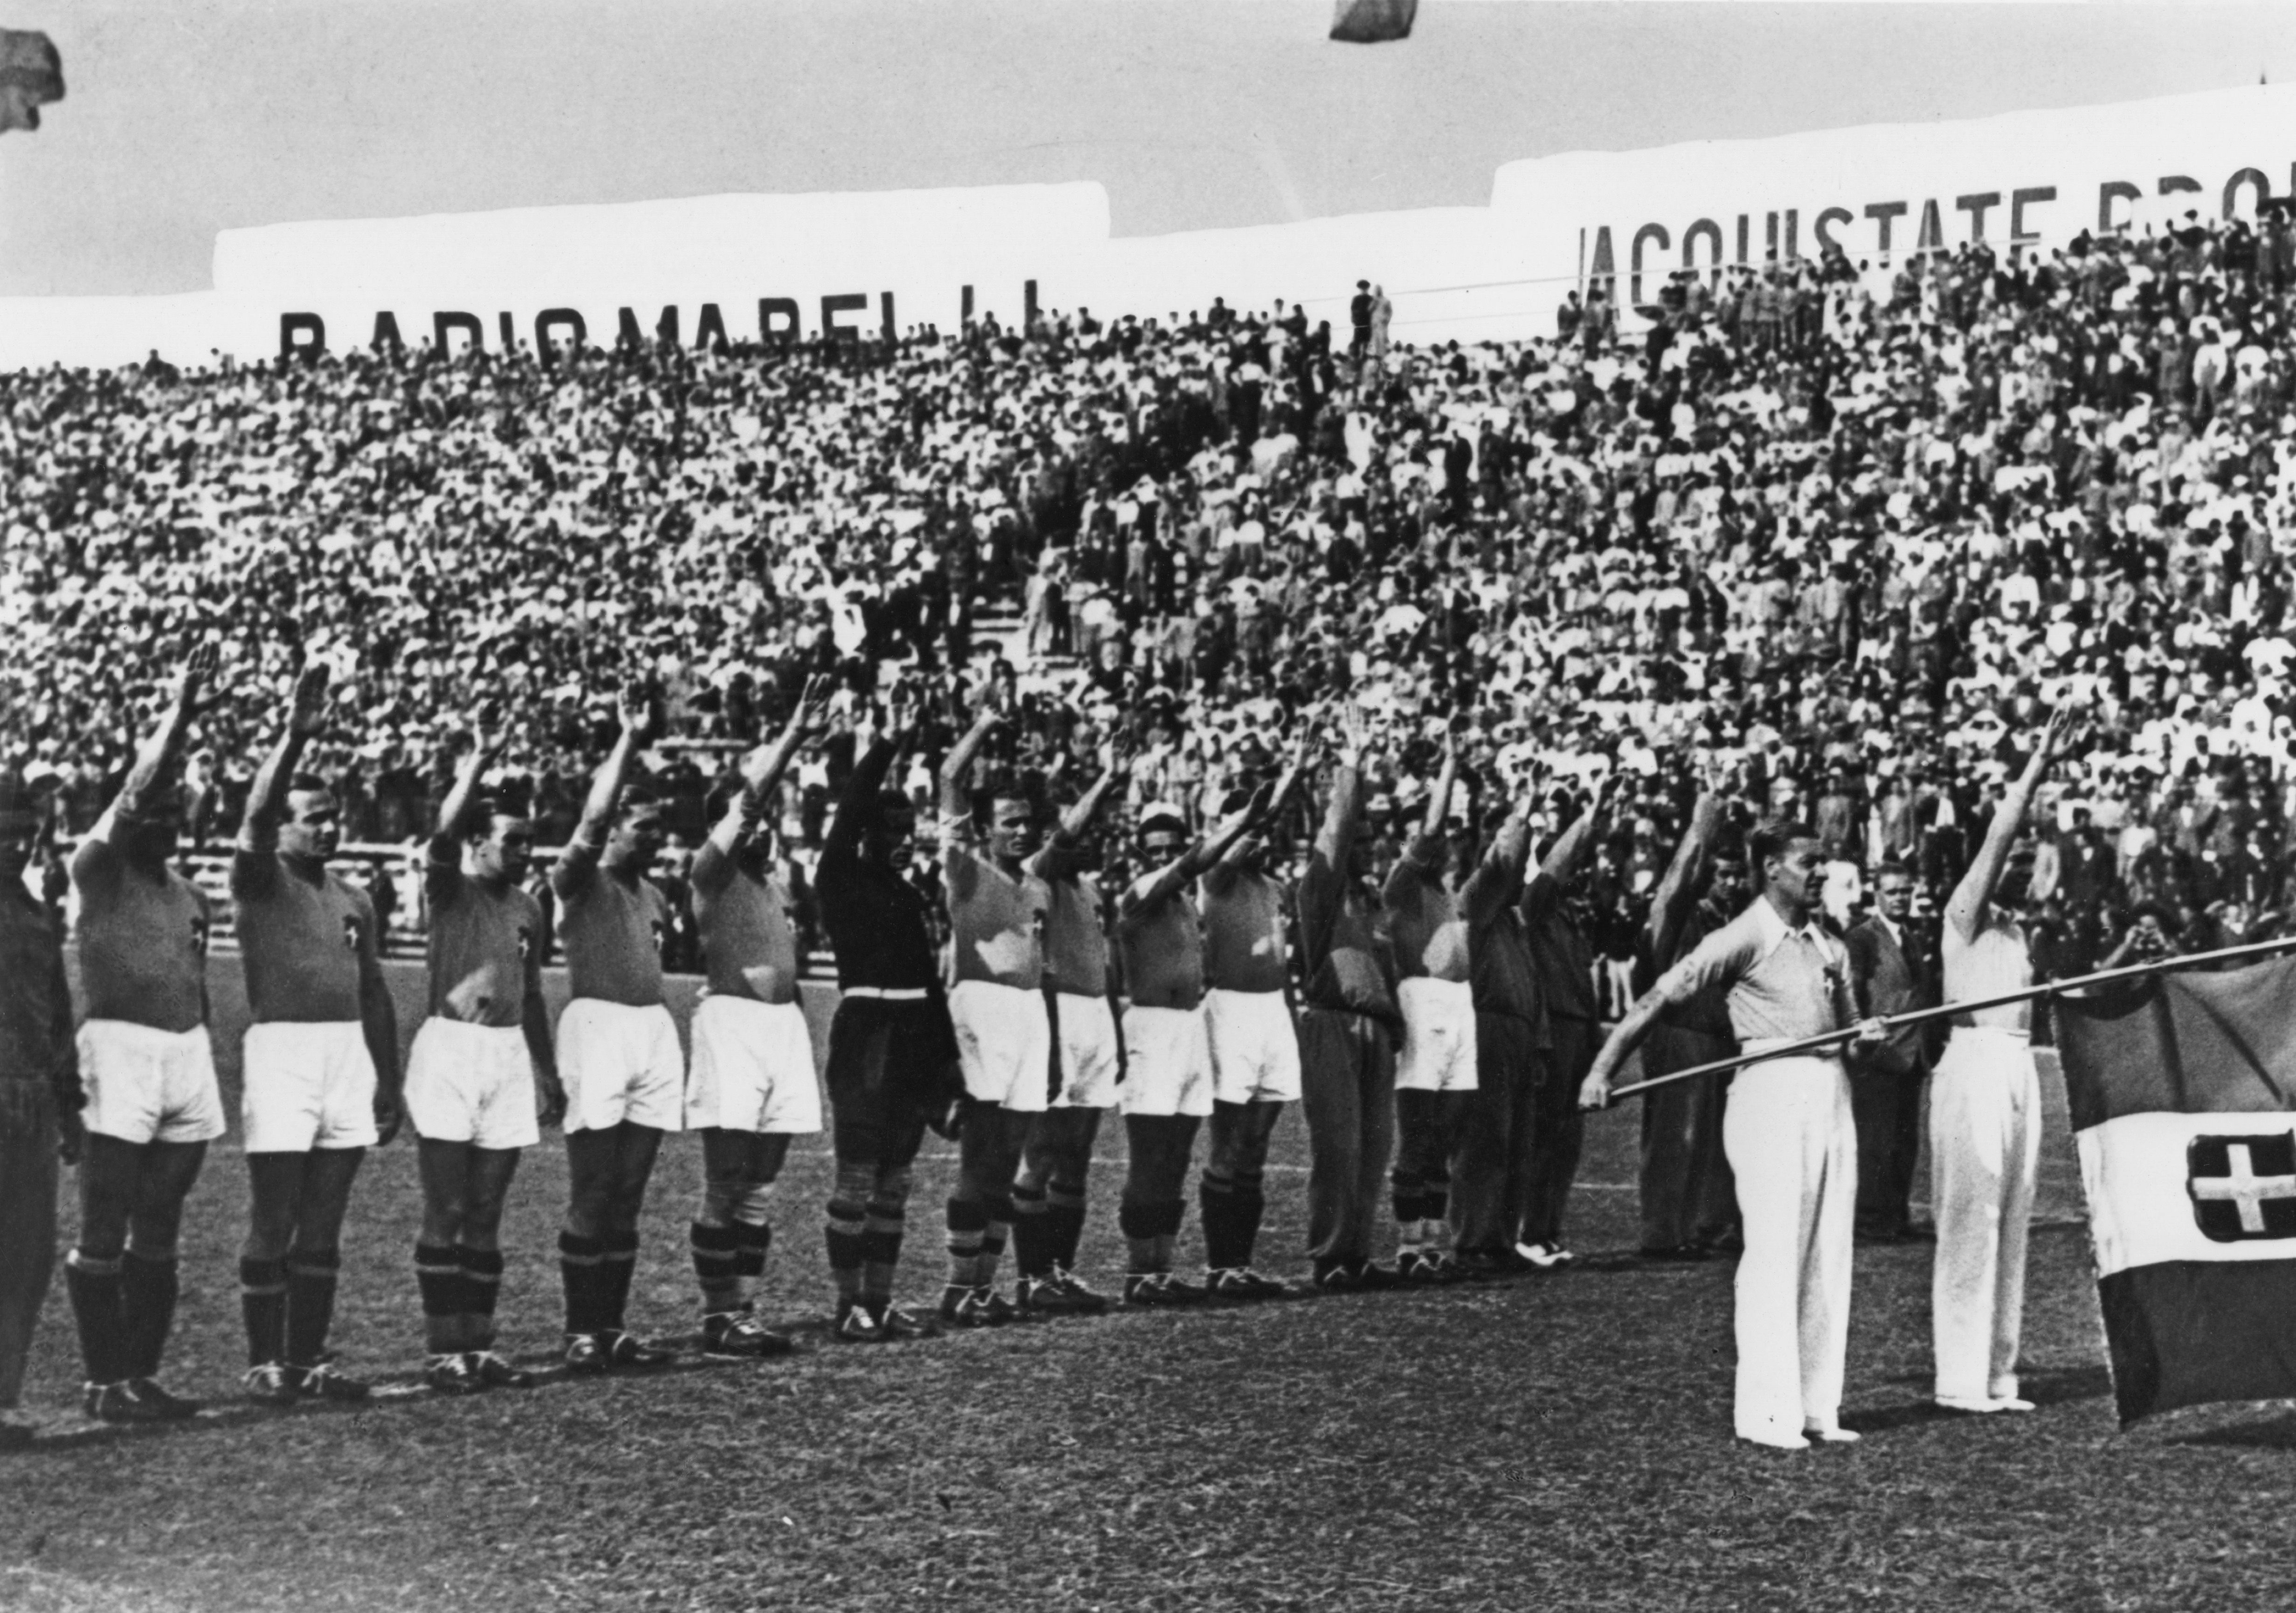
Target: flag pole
[{"x": 2050, "y": 988}]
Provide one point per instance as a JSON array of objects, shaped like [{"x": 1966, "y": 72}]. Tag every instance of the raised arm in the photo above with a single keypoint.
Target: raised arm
[
  {"x": 1077, "y": 819},
  {"x": 454, "y": 811},
  {"x": 157, "y": 758},
  {"x": 1337, "y": 835},
  {"x": 761, "y": 770},
  {"x": 955, "y": 802},
  {"x": 1670, "y": 904},
  {"x": 635, "y": 708},
  {"x": 252, "y": 865},
  {"x": 1439, "y": 799},
  {"x": 1572, "y": 846},
  {"x": 266, "y": 798},
  {"x": 1201, "y": 857},
  {"x": 1267, "y": 802},
  {"x": 1965, "y": 913}
]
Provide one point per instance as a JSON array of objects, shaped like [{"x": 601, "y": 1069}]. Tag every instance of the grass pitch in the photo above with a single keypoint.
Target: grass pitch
[{"x": 1556, "y": 1442}]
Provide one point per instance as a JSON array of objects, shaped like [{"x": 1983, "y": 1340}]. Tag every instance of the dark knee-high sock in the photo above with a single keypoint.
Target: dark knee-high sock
[
  {"x": 98, "y": 1310},
  {"x": 581, "y": 1267},
  {"x": 148, "y": 1286},
  {"x": 1410, "y": 1216},
  {"x": 263, "y": 1308},
  {"x": 968, "y": 1219},
  {"x": 1064, "y": 1209},
  {"x": 714, "y": 1267},
  {"x": 880, "y": 1249},
  {"x": 310, "y": 1303},
  {"x": 753, "y": 1240},
  {"x": 1251, "y": 1206},
  {"x": 1224, "y": 1246},
  {"x": 618, "y": 1263},
  {"x": 439, "y": 1276},
  {"x": 482, "y": 1270},
  {"x": 1034, "y": 1246},
  {"x": 1137, "y": 1221},
  {"x": 993, "y": 1237}
]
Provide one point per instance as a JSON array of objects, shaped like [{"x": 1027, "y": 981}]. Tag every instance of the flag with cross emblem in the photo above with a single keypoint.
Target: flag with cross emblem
[{"x": 2183, "y": 1094}]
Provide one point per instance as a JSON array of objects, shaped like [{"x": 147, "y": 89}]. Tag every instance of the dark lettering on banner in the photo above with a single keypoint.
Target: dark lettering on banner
[
  {"x": 1602, "y": 272},
  {"x": 2031, "y": 195},
  {"x": 1745, "y": 236},
  {"x": 769, "y": 308},
  {"x": 444, "y": 324},
  {"x": 665, "y": 329},
  {"x": 386, "y": 333},
  {"x": 301, "y": 336},
  {"x": 709, "y": 330},
  {"x": 1648, "y": 232},
  {"x": 1027, "y": 304},
  {"x": 553, "y": 319},
  {"x": 1822, "y": 225},
  {"x": 1705, "y": 229},
  {"x": 964, "y": 308},
  {"x": 1932, "y": 236},
  {"x": 2178, "y": 184},
  {"x": 885, "y": 309},
  {"x": 2109, "y": 193},
  {"x": 509, "y": 332},
  {"x": 844, "y": 302},
  {"x": 1781, "y": 247},
  {"x": 1885, "y": 213},
  {"x": 2253, "y": 177},
  {"x": 1975, "y": 204}
]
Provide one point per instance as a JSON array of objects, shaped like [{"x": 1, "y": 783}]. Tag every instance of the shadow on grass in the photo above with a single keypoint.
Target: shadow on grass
[
  {"x": 2277, "y": 1434},
  {"x": 2060, "y": 1386}
]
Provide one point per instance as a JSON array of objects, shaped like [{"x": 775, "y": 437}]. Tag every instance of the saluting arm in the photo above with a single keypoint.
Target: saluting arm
[
  {"x": 1965, "y": 913},
  {"x": 1670, "y": 906}
]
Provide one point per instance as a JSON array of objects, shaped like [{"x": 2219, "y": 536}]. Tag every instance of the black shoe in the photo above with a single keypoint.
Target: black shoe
[
  {"x": 965, "y": 1309},
  {"x": 1673, "y": 1253},
  {"x": 1154, "y": 1289},
  {"x": 1051, "y": 1297},
  {"x": 1488, "y": 1265},
  {"x": 898, "y": 1325},
  {"x": 587, "y": 1353},
  {"x": 173, "y": 1408},
  {"x": 856, "y": 1325},
  {"x": 1338, "y": 1280},
  {"x": 625, "y": 1350},
  {"x": 268, "y": 1385},
  {"x": 1241, "y": 1283},
  {"x": 496, "y": 1372},
  {"x": 451, "y": 1374},
  {"x": 1371, "y": 1276},
  {"x": 1001, "y": 1310},
  {"x": 324, "y": 1382},
  {"x": 1425, "y": 1268},
  {"x": 115, "y": 1403},
  {"x": 1085, "y": 1300},
  {"x": 740, "y": 1336}
]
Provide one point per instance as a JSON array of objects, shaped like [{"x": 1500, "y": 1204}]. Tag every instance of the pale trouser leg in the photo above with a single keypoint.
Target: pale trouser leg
[
  {"x": 1792, "y": 1145},
  {"x": 2024, "y": 1157},
  {"x": 1762, "y": 1137},
  {"x": 1832, "y": 1221},
  {"x": 1981, "y": 1187}
]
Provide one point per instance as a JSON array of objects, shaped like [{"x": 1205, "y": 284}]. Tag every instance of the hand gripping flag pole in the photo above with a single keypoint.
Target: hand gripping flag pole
[{"x": 2049, "y": 988}]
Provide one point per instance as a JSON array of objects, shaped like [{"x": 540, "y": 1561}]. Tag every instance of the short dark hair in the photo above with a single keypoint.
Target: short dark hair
[
  {"x": 308, "y": 784},
  {"x": 1896, "y": 868},
  {"x": 1771, "y": 840}
]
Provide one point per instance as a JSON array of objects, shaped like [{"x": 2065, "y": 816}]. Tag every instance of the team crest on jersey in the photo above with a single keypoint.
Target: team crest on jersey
[
  {"x": 525, "y": 942},
  {"x": 199, "y": 934},
  {"x": 660, "y": 936},
  {"x": 350, "y": 931}
]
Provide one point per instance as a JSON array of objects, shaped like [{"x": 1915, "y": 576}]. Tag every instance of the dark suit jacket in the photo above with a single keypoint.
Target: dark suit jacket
[{"x": 1887, "y": 979}]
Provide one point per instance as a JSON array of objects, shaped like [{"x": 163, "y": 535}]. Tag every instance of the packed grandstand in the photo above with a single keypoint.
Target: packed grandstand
[{"x": 1842, "y": 529}]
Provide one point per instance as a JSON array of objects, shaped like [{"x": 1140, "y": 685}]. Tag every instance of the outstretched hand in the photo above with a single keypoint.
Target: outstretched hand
[
  {"x": 634, "y": 706},
  {"x": 308, "y": 713}
]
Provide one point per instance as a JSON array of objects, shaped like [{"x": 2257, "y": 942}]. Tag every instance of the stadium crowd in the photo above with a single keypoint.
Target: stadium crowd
[{"x": 1828, "y": 541}]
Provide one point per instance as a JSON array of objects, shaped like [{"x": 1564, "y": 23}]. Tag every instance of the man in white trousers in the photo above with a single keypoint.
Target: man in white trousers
[
  {"x": 1985, "y": 1118},
  {"x": 1788, "y": 1133}
]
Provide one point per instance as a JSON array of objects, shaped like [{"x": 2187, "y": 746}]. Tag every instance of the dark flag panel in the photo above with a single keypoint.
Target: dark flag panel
[
  {"x": 31, "y": 76},
  {"x": 2183, "y": 1095},
  {"x": 1371, "y": 21}
]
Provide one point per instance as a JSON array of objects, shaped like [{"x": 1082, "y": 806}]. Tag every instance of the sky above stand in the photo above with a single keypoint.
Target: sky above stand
[{"x": 187, "y": 117}]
